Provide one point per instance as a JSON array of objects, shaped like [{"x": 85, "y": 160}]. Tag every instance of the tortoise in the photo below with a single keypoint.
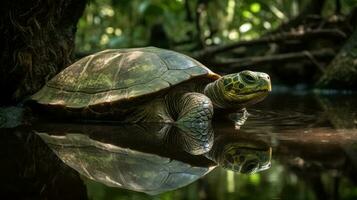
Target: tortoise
[
  {"x": 112, "y": 156},
  {"x": 147, "y": 85},
  {"x": 149, "y": 157}
]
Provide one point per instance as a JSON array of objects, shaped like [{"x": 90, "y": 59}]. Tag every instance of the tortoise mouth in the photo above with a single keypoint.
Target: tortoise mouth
[
  {"x": 255, "y": 92},
  {"x": 249, "y": 98}
]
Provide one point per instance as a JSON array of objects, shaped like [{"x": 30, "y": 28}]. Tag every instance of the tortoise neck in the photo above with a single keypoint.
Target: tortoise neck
[{"x": 214, "y": 92}]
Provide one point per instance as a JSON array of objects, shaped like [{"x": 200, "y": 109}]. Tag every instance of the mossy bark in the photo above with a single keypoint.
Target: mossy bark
[
  {"x": 341, "y": 73},
  {"x": 36, "y": 41}
]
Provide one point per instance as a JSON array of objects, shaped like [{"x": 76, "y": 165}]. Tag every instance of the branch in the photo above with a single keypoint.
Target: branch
[
  {"x": 259, "y": 60},
  {"x": 296, "y": 35}
]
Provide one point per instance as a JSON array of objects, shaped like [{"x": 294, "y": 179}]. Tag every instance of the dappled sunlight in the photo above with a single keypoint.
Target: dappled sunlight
[{"x": 134, "y": 55}]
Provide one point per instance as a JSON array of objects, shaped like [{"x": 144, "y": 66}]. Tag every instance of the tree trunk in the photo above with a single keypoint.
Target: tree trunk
[
  {"x": 341, "y": 73},
  {"x": 37, "y": 41}
]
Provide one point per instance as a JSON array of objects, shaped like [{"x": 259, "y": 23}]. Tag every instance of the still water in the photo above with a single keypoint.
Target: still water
[{"x": 291, "y": 146}]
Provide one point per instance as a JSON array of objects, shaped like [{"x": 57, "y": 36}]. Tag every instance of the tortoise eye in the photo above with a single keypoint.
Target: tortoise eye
[{"x": 248, "y": 78}]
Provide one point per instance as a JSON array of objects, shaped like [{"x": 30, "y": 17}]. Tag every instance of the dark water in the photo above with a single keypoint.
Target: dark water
[{"x": 291, "y": 146}]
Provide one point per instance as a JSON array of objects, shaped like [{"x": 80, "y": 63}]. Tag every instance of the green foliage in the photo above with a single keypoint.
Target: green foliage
[
  {"x": 131, "y": 23},
  {"x": 186, "y": 24}
]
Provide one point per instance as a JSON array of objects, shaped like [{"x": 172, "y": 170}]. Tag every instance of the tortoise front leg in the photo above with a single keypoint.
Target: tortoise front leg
[{"x": 193, "y": 109}]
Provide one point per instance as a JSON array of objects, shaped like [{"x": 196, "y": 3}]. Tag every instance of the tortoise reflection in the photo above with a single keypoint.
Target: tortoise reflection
[
  {"x": 240, "y": 155},
  {"x": 150, "y": 158}
]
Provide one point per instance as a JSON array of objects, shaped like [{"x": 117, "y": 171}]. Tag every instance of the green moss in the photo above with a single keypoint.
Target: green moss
[{"x": 342, "y": 72}]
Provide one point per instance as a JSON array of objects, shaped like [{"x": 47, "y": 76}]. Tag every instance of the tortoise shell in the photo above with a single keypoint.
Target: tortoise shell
[
  {"x": 118, "y": 75},
  {"x": 116, "y": 156}
]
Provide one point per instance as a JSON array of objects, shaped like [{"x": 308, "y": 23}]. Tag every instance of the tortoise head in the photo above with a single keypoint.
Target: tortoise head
[
  {"x": 240, "y": 89},
  {"x": 245, "y": 160}
]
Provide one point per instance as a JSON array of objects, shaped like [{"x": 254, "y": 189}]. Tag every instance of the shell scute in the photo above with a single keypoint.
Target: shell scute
[{"x": 119, "y": 75}]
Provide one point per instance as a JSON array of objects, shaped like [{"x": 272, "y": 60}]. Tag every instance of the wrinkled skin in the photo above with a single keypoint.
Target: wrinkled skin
[
  {"x": 246, "y": 160},
  {"x": 239, "y": 90}
]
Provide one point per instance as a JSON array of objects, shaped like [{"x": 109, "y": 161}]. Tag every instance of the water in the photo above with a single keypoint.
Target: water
[{"x": 291, "y": 146}]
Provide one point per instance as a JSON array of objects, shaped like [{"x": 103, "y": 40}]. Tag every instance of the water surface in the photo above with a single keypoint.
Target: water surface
[{"x": 291, "y": 146}]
